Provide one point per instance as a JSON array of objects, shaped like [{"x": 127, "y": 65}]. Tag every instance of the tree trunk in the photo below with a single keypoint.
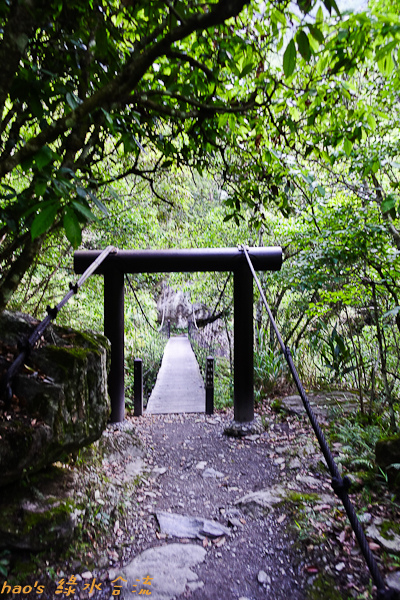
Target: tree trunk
[
  {"x": 19, "y": 267},
  {"x": 382, "y": 357}
]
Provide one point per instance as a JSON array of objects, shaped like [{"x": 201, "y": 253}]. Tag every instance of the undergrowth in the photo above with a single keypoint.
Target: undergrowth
[
  {"x": 358, "y": 440},
  {"x": 223, "y": 378},
  {"x": 150, "y": 348}
]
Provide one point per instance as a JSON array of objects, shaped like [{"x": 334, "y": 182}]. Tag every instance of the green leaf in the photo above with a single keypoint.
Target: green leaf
[
  {"x": 109, "y": 119},
  {"x": 44, "y": 220},
  {"x": 303, "y": 45},
  {"x": 386, "y": 65},
  {"x": 81, "y": 192},
  {"x": 84, "y": 210},
  {"x": 305, "y": 5},
  {"x": 72, "y": 100},
  {"x": 278, "y": 16},
  {"x": 385, "y": 50},
  {"x": 43, "y": 157},
  {"x": 72, "y": 228},
  {"x": 98, "y": 203},
  {"x": 371, "y": 122},
  {"x": 348, "y": 146},
  {"x": 316, "y": 33},
  {"x": 329, "y": 4},
  {"x": 246, "y": 70},
  {"x": 388, "y": 203},
  {"x": 40, "y": 188},
  {"x": 376, "y": 166},
  {"x": 289, "y": 59}
]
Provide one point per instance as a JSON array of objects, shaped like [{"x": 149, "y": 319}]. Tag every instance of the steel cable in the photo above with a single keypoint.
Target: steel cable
[
  {"x": 140, "y": 306},
  {"x": 27, "y": 345},
  {"x": 339, "y": 485}
]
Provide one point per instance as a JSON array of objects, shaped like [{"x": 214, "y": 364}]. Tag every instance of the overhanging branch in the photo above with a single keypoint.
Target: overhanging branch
[{"x": 127, "y": 80}]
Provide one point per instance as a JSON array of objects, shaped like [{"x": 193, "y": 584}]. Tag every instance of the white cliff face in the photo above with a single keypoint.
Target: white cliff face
[{"x": 178, "y": 307}]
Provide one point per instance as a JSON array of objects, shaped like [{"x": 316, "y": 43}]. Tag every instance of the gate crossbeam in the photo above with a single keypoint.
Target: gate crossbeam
[{"x": 188, "y": 261}]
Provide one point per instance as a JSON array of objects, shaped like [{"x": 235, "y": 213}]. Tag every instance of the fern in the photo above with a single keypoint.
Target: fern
[
  {"x": 362, "y": 463},
  {"x": 358, "y": 444}
]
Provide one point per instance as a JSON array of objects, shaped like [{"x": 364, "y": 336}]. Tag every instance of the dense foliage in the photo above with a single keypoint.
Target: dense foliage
[
  {"x": 135, "y": 86},
  {"x": 164, "y": 124}
]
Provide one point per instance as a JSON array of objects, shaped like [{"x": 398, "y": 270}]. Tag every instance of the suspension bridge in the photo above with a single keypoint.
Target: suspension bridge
[{"x": 179, "y": 387}]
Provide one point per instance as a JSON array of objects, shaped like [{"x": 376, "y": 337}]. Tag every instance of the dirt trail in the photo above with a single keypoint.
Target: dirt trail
[
  {"x": 282, "y": 532},
  {"x": 207, "y": 473}
]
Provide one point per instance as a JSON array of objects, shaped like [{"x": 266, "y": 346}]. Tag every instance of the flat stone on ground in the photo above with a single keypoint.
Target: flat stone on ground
[
  {"x": 212, "y": 474},
  {"x": 264, "y": 498},
  {"x": 390, "y": 542},
  {"x": 322, "y": 404},
  {"x": 167, "y": 568},
  {"x": 182, "y": 526},
  {"x": 393, "y": 581}
]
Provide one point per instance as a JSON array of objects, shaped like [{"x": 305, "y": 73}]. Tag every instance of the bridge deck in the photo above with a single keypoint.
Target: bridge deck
[{"x": 179, "y": 387}]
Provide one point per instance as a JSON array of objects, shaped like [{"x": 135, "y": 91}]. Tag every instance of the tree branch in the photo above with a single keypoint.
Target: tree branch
[
  {"x": 202, "y": 109},
  {"x": 386, "y": 216},
  {"x": 192, "y": 61},
  {"x": 126, "y": 81}
]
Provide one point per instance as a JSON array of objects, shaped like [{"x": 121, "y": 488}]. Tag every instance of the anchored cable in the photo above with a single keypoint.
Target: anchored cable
[
  {"x": 162, "y": 319},
  {"x": 28, "y": 344},
  {"x": 138, "y": 302},
  {"x": 199, "y": 335},
  {"x": 340, "y": 485}
]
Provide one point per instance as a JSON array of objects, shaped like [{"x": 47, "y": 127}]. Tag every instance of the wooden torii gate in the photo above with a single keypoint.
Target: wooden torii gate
[{"x": 183, "y": 260}]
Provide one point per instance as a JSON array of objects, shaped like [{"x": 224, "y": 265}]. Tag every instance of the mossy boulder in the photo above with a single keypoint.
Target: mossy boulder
[
  {"x": 43, "y": 515},
  {"x": 387, "y": 457},
  {"x": 60, "y": 401}
]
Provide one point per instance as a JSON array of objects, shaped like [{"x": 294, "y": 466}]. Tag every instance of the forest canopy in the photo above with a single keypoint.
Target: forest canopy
[
  {"x": 183, "y": 123},
  {"x": 186, "y": 123},
  {"x": 144, "y": 86}
]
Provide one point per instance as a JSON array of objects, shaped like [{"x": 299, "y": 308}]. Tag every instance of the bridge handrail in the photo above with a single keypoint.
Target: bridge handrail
[
  {"x": 28, "y": 344},
  {"x": 340, "y": 485},
  {"x": 194, "y": 318},
  {"x": 162, "y": 319},
  {"x": 197, "y": 335}
]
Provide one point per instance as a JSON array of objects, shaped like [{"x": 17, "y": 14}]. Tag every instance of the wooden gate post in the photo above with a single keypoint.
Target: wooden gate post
[
  {"x": 138, "y": 387},
  {"x": 210, "y": 385},
  {"x": 114, "y": 331},
  {"x": 243, "y": 395}
]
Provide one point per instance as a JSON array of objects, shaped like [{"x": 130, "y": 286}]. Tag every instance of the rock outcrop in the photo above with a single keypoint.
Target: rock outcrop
[
  {"x": 60, "y": 401},
  {"x": 177, "y": 307},
  {"x": 387, "y": 456},
  {"x": 41, "y": 515}
]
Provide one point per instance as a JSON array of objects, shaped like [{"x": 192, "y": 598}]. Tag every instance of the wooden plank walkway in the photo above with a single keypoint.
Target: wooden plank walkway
[{"x": 179, "y": 387}]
